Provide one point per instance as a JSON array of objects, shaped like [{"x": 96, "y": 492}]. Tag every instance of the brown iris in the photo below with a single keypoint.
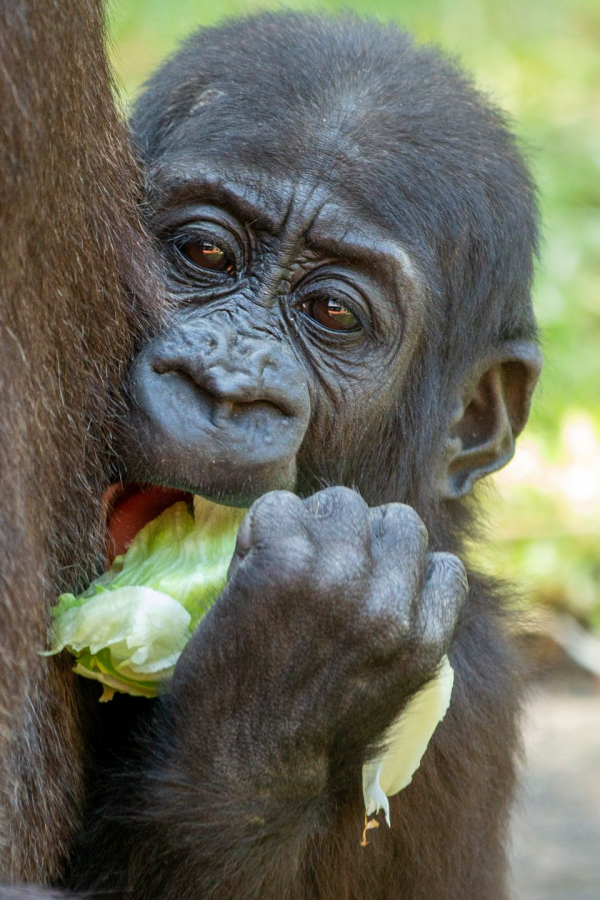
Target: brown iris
[
  {"x": 331, "y": 314},
  {"x": 205, "y": 254}
]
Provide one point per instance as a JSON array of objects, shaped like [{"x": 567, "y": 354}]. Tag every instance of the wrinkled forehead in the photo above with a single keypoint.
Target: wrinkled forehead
[
  {"x": 298, "y": 210},
  {"x": 295, "y": 155}
]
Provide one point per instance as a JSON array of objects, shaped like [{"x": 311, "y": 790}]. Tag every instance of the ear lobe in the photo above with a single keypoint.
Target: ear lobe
[{"x": 491, "y": 413}]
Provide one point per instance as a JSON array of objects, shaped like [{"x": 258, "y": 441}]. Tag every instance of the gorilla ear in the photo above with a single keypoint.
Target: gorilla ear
[{"x": 489, "y": 416}]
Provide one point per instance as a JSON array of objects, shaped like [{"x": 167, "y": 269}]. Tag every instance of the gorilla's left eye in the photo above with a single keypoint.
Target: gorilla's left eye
[
  {"x": 330, "y": 313},
  {"x": 207, "y": 255}
]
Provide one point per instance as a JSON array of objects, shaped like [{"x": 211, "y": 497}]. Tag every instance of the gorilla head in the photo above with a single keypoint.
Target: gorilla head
[{"x": 348, "y": 232}]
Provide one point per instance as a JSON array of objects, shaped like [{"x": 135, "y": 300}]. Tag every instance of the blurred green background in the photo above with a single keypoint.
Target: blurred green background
[{"x": 540, "y": 60}]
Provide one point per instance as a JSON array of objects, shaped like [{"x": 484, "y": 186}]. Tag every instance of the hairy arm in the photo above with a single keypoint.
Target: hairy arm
[{"x": 449, "y": 825}]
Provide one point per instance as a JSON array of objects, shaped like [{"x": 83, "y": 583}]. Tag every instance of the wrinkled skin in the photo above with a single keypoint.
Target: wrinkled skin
[{"x": 246, "y": 386}]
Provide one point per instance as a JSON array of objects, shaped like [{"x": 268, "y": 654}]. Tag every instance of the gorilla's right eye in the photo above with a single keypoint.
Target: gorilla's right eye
[{"x": 209, "y": 256}]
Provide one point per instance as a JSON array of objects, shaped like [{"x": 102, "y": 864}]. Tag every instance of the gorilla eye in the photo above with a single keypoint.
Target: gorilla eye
[
  {"x": 205, "y": 254},
  {"x": 331, "y": 314}
]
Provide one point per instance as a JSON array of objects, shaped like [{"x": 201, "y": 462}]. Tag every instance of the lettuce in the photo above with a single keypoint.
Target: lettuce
[
  {"x": 406, "y": 741},
  {"x": 129, "y": 627}
]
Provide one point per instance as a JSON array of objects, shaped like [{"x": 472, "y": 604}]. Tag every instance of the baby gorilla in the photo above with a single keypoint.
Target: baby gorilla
[{"x": 348, "y": 232}]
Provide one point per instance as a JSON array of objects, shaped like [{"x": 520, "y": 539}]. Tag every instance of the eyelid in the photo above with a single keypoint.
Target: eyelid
[
  {"x": 197, "y": 219},
  {"x": 205, "y": 228},
  {"x": 169, "y": 221}
]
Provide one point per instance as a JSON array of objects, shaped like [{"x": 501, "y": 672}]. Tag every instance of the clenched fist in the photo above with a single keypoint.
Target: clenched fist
[{"x": 333, "y": 616}]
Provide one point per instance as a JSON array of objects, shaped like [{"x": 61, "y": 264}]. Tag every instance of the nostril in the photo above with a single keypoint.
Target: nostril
[
  {"x": 215, "y": 385},
  {"x": 258, "y": 379},
  {"x": 162, "y": 366},
  {"x": 176, "y": 365},
  {"x": 176, "y": 369},
  {"x": 221, "y": 399}
]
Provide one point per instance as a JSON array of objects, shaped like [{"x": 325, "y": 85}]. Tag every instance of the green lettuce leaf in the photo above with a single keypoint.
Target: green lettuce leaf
[{"x": 129, "y": 627}]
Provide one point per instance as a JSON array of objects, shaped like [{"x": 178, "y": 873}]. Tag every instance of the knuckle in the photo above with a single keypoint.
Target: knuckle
[
  {"x": 344, "y": 575},
  {"x": 449, "y": 571},
  {"x": 334, "y": 500},
  {"x": 294, "y": 575},
  {"x": 277, "y": 569},
  {"x": 388, "y": 603},
  {"x": 414, "y": 524},
  {"x": 296, "y": 552},
  {"x": 286, "y": 561},
  {"x": 275, "y": 500},
  {"x": 403, "y": 518},
  {"x": 271, "y": 525},
  {"x": 327, "y": 582},
  {"x": 273, "y": 508},
  {"x": 384, "y": 629},
  {"x": 444, "y": 591},
  {"x": 338, "y": 521}
]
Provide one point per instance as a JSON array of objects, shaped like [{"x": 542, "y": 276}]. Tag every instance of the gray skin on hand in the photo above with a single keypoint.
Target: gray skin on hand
[{"x": 339, "y": 613}]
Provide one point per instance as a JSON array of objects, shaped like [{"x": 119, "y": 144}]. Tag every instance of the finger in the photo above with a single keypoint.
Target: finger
[
  {"x": 340, "y": 516},
  {"x": 275, "y": 518},
  {"x": 276, "y": 510},
  {"x": 444, "y": 592},
  {"x": 400, "y": 543}
]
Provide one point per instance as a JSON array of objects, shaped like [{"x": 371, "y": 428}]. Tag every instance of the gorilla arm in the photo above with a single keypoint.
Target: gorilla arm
[{"x": 299, "y": 667}]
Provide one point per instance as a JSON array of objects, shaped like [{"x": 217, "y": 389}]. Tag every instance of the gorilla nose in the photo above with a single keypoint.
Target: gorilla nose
[
  {"x": 218, "y": 413},
  {"x": 233, "y": 373}
]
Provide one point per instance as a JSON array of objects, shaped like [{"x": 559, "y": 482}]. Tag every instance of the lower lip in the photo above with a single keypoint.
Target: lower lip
[{"x": 128, "y": 507}]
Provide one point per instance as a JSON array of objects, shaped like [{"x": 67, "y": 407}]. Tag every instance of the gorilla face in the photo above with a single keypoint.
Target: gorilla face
[{"x": 290, "y": 307}]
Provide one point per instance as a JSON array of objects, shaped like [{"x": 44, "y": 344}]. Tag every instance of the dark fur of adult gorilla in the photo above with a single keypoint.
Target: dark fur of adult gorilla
[
  {"x": 347, "y": 232},
  {"x": 77, "y": 285}
]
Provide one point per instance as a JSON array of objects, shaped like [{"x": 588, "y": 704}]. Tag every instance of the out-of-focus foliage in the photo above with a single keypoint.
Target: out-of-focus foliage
[{"x": 540, "y": 60}]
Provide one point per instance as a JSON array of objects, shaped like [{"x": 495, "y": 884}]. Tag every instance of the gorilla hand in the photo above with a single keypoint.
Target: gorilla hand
[{"x": 334, "y": 615}]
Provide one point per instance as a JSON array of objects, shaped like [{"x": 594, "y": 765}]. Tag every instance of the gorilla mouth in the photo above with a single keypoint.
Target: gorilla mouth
[{"x": 128, "y": 506}]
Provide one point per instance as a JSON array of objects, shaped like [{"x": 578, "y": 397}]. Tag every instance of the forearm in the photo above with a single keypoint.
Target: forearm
[
  {"x": 253, "y": 765},
  {"x": 235, "y": 846},
  {"x": 195, "y": 824},
  {"x": 454, "y": 814}
]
